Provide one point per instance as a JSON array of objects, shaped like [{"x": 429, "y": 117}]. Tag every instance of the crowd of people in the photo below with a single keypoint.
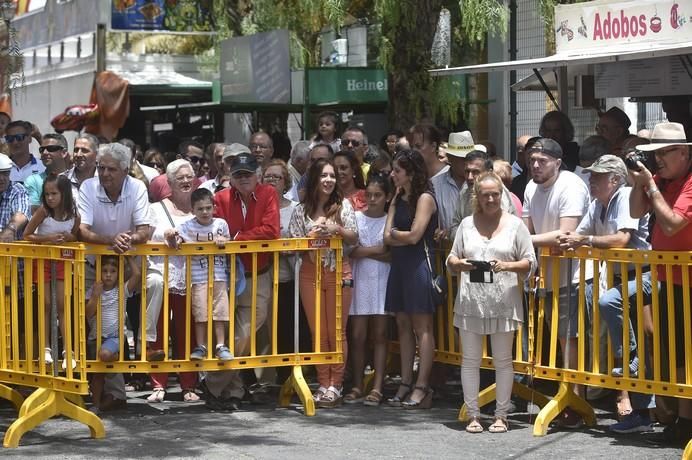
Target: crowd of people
[{"x": 393, "y": 209}]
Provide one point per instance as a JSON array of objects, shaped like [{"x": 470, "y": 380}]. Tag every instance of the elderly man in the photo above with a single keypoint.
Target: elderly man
[
  {"x": 554, "y": 203},
  {"x": 54, "y": 156},
  {"x": 83, "y": 161},
  {"x": 614, "y": 126},
  {"x": 262, "y": 147},
  {"x": 668, "y": 195},
  {"x": 14, "y": 204},
  {"x": 608, "y": 224},
  {"x": 114, "y": 211},
  {"x": 18, "y": 138},
  {"x": 251, "y": 210},
  {"x": 221, "y": 153},
  {"x": 300, "y": 159}
]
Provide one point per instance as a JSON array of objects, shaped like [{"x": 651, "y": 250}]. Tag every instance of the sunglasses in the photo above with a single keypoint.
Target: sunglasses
[
  {"x": 154, "y": 165},
  {"x": 195, "y": 160},
  {"x": 10, "y": 138},
  {"x": 351, "y": 142},
  {"x": 50, "y": 148}
]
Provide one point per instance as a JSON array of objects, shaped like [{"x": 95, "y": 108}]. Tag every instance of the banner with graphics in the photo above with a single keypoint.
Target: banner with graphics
[
  {"x": 163, "y": 15},
  {"x": 604, "y": 23}
]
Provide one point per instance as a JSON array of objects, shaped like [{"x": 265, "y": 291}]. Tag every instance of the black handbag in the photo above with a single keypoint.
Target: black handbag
[{"x": 438, "y": 286}]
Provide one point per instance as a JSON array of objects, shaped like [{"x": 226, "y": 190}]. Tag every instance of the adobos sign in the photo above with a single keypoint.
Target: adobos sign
[{"x": 607, "y": 22}]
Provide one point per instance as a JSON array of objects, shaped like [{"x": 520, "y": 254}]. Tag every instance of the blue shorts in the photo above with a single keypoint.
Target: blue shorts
[{"x": 111, "y": 344}]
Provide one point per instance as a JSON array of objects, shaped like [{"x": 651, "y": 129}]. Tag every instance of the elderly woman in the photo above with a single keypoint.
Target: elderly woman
[
  {"x": 493, "y": 252},
  {"x": 169, "y": 213}
]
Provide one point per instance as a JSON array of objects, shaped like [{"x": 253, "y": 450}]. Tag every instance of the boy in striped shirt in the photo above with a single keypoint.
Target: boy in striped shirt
[{"x": 203, "y": 228}]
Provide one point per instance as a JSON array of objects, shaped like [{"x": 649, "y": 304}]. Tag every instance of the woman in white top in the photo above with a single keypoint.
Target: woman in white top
[{"x": 490, "y": 295}]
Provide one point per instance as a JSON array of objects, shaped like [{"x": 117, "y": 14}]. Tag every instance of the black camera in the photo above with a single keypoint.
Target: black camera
[
  {"x": 631, "y": 160},
  {"x": 482, "y": 271}
]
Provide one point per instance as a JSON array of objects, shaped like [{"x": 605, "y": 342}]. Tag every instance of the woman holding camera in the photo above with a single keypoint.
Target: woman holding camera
[{"x": 493, "y": 253}]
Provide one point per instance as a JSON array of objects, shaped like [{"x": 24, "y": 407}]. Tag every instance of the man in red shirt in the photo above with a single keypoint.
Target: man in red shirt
[
  {"x": 251, "y": 210},
  {"x": 668, "y": 196}
]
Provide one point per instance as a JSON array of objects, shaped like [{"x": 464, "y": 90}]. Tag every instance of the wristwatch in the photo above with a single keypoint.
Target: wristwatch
[{"x": 651, "y": 191}]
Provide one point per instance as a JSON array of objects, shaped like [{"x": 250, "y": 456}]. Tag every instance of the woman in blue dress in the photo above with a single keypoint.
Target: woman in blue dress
[{"x": 411, "y": 222}]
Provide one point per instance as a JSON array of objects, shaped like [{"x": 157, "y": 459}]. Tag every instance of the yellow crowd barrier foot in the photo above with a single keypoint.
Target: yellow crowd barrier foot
[
  {"x": 564, "y": 398},
  {"x": 12, "y": 396},
  {"x": 529, "y": 394},
  {"x": 368, "y": 381},
  {"x": 486, "y": 396},
  {"x": 44, "y": 404},
  {"x": 296, "y": 384},
  {"x": 687, "y": 454}
]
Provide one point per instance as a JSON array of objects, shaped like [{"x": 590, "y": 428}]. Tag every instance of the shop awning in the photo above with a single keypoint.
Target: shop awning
[{"x": 611, "y": 54}]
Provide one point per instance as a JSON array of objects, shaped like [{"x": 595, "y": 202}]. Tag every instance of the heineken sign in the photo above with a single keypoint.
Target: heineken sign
[{"x": 347, "y": 85}]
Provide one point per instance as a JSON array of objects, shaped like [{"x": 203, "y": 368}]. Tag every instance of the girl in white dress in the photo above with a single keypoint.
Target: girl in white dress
[
  {"x": 370, "y": 264},
  {"x": 56, "y": 221}
]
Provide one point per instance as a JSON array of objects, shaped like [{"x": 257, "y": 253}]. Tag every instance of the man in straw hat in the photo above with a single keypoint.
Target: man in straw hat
[
  {"x": 606, "y": 225},
  {"x": 668, "y": 195},
  {"x": 448, "y": 184}
]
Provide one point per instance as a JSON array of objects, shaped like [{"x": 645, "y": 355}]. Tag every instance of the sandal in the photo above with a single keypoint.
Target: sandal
[
  {"x": 374, "y": 398},
  {"x": 354, "y": 396},
  {"x": 397, "y": 400},
  {"x": 474, "y": 425},
  {"x": 317, "y": 396},
  {"x": 424, "y": 403},
  {"x": 157, "y": 395},
  {"x": 500, "y": 425},
  {"x": 331, "y": 398},
  {"x": 190, "y": 396}
]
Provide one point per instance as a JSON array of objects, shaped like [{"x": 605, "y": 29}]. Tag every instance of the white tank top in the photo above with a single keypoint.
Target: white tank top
[{"x": 50, "y": 225}]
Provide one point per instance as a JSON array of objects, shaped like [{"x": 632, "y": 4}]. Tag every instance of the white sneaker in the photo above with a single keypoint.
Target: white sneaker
[{"x": 48, "y": 355}]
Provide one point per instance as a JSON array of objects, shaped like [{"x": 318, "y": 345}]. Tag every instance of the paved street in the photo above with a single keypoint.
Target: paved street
[{"x": 179, "y": 430}]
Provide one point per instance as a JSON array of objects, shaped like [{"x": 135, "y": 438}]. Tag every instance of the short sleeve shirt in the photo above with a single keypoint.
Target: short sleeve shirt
[
  {"x": 193, "y": 231},
  {"x": 34, "y": 186}
]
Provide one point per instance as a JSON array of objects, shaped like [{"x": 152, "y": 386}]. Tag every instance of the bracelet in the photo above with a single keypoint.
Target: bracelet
[{"x": 651, "y": 191}]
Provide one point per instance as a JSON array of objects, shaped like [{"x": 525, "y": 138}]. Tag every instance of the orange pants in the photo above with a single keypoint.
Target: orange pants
[{"x": 327, "y": 374}]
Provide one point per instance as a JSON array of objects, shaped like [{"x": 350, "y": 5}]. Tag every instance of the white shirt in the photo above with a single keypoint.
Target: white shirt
[
  {"x": 34, "y": 166},
  {"x": 108, "y": 218},
  {"x": 567, "y": 197},
  {"x": 192, "y": 231},
  {"x": 110, "y": 319}
]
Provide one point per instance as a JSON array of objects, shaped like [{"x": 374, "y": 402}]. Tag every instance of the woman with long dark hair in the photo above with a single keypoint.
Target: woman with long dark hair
[
  {"x": 325, "y": 213},
  {"x": 411, "y": 222},
  {"x": 349, "y": 179}
]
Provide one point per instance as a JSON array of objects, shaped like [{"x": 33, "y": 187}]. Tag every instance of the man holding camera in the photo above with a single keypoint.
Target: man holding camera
[{"x": 668, "y": 196}]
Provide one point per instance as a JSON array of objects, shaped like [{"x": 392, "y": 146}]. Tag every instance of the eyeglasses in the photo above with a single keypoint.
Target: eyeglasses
[
  {"x": 352, "y": 142},
  {"x": 258, "y": 147},
  {"x": 81, "y": 150},
  {"x": 50, "y": 148},
  {"x": 152, "y": 164},
  {"x": 10, "y": 138},
  {"x": 272, "y": 177}
]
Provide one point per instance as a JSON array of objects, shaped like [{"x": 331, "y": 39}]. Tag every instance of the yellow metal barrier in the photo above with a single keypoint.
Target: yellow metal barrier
[
  {"x": 25, "y": 271},
  {"x": 664, "y": 378}
]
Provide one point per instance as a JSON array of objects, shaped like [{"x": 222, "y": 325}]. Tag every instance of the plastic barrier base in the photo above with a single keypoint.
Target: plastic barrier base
[
  {"x": 296, "y": 384},
  {"x": 44, "y": 404},
  {"x": 564, "y": 398},
  {"x": 12, "y": 396}
]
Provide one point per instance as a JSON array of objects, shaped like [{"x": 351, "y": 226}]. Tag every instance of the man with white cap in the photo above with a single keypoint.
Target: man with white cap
[
  {"x": 449, "y": 184},
  {"x": 14, "y": 204},
  {"x": 607, "y": 225},
  {"x": 668, "y": 195}
]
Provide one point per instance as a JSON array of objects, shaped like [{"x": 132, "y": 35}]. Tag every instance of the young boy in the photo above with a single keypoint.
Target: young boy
[
  {"x": 204, "y": 227},
  {"x": 108, "y": 291}
]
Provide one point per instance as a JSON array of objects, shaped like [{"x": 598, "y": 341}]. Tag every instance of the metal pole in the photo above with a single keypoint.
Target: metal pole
[
  {"x": 100, "y": 48},
  {"x": 512, "y": 80}
]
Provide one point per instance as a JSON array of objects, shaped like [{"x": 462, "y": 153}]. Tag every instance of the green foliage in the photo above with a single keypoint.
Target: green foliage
[
  {"x": 483, "y": 17},
  {"x": 446, "y": 99}
]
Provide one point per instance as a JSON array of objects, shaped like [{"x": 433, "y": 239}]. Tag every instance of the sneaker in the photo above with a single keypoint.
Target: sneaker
[
  {"x": 570, "y": 419},
  {"x": 632, "y": 423},
  {"x": 634, "y": 369},
  {"x": 64, "y": 361},
  {"x": 199, "y": 353},
  {"x": 48, "y": 356},
  {"x": 222, "y": 352}
]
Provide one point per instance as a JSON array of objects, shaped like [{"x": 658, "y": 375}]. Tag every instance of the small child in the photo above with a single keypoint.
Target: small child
[
  {"x": 108, "y": 291},
  {"x": 204, "y": 227},
  {"x": 56, "y": 221},
  {"x": 327, "y": 131}
]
